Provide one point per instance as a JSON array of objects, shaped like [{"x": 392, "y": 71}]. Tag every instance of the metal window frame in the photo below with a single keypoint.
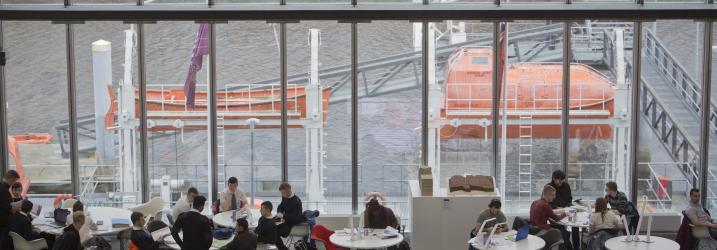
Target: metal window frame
[
  {"x": 144, "y": 152},
  {"x": 565, "y": 116},
  {"x": 3, "y": 111},
  {"x": 635, "y": 108},
  {"x": 284, "y": 105},
  {"x": 496, "y": 100},
  {"x": 706, "y": 97},
  {"x": 72, "y": 109},
  {"x": 213, "y": 137},
  {"x": 354, "y": 118}
]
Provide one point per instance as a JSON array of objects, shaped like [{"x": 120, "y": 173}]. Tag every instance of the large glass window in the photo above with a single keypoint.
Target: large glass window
[
  {"x": 670, "y": 121},
  {"x": 389, "y": 119},
  {"x": 531, "y": 104},
  {"x": 107, "y": 126},
  {"x": 177, "y": 136},
  {"x": 319, "y": 101},
  {"x": 600, "y": 88},
  {"x": 37, "y": 110},
  {"x": 249, "y": 108},
  {"x": 712, "y": 180}
]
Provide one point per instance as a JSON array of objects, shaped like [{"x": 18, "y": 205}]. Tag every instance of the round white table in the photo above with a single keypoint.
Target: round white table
[
  {"x": 372, "y": 241},
  {"x": 224, "y": 219},
  {"x": 531, "y": 243},
  {"x": 216, "y": 244},
  {"x": 658, "y": 244},
  {"x": 104, "y": 214}
]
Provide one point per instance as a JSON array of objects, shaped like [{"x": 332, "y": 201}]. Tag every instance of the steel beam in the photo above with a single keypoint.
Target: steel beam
[
  {"x": 3, "y": 107},
  {"x": 424, "y": 95},
  {"x": 635, "y": 108},
  {"x": 72, "y": 109},
  {"x": 213, "y": 189},
  {"x": 565, "y": 117},
  {"x": 705, "y": 109},
  {"x": 354, "y": 118},
  {"x": 143, "y": 139},
  {"x": 361, "y": 12},
  {"x": 284, "y": 104},
  {"x": 496, "y": 99}
]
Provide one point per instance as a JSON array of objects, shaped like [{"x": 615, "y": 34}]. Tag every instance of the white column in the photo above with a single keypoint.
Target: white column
[
  {"x": 434, "y": 111},
  {"x": 127, "y": 121},
  {"x": 621, "y": 119},
  {"x": 314, "y": 128},
  {"x": 101, "y": 78}
]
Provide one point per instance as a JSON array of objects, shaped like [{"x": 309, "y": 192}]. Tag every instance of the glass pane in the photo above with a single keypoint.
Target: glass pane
[
  {"x": 389, "y": 114},
  {"x": 320, "y": 119},
  {"x": 108, "y": 143},
  {"x": 249, "y": 93},
  {"x": 531, "y": 104},
  {"x": 461, "y": 93},
  {"x": 32, "y": 1},
  {"x": 599, "y": 103},
  {"x": 37, "y": 112},
  {"x": 177, "y": 132},
  {"x": 670, "y": 121},
  {"x": 75, "y": 2}
]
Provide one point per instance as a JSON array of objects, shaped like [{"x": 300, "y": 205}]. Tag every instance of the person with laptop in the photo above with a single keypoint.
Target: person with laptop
[
  {"x": 6, "y": 209},
  {"x": 493, "y": 211},
  {"x": 21, "y": 224},
  {"x": 86, "y": 238}
]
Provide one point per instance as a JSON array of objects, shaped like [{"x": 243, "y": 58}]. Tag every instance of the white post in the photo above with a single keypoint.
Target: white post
[
  {"x": 127, "y": 122},
  {"x": 621, "y": 119},
  {"x": 314, "y": 127},
  {"x": 417, "y": 30},
  {"x": 101, "y": 78},
  {"x": 434, "y": 109}
]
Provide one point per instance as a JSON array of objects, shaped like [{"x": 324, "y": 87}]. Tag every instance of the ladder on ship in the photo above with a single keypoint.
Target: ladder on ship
[
  {"x": 525, "y": 151},
  {"x": 221, "y": 148}
]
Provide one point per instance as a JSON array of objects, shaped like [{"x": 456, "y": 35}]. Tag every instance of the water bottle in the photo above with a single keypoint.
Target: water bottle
[{"x": 234, "y": 215}]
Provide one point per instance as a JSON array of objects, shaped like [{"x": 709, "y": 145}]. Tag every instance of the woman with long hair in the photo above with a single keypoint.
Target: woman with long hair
[{"x": 603, "y": 225}]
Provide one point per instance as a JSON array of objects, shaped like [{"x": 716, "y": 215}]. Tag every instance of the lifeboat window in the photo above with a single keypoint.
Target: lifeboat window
[{"x": 480, "y": 60}]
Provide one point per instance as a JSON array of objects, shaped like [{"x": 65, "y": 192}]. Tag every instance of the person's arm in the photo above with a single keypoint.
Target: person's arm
[
  {"x": 692, "y": 215},
  {"x": 552, "y": 215},
  {"x": 5, "y": 200},
  {"x": 570, "y": 196},
  {"x": 224, "y": 201},
  {"x": 176, "y": 228},
  {"x": 392, "y": 220}
]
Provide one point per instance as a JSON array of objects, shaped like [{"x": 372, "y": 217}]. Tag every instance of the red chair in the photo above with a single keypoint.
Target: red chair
[
  {"x": 321, "y": 235},
  {"x": 132, "y": 246}
]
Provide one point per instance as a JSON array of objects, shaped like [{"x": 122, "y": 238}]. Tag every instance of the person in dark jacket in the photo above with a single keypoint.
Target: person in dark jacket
[
  {"x": 21, "y": 223},
  {"x": 266, "y": 229},
  {"x": 378, "y": 216},
  {"x": 243, "y": 239},
  {"x": 16, "y": 192},
  {"x": 70, "y": 238},
  {"x": 290, "y": 211},
  {"x": 197, "y": 229},
  {"x": 6, "y": 209},
  {"x": 140, "y": 237}
]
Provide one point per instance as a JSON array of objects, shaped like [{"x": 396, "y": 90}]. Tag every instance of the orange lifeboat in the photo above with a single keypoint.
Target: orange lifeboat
[
  {"x": 231, "y": 104},
  {"x": 533, "y": 91}
]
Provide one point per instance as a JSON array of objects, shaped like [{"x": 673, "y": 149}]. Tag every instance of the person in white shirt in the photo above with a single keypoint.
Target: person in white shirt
[
  {"x": 232, "y": 198},
  {"x": 86, "y": 238},
  {"x": 184, "y": 204},
  {"x": 603, "y": 225}
]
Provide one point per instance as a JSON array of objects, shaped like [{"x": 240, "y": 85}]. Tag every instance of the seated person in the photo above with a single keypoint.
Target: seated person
[
  {"x": 184, "y": 204},
  {"x": 16, "y": 192},
  {"x": 493, "y": 211},
  {"x": 140, "y": 237},
  {"x": 86, "y": 237},
  {"x": 616, "y": 199},
  {"x": 603, "y": 225},
  {"x": 232, "y": 198},
  {"x": 243, "y": 239},
  {"x": 196, "y": 228},
  {"x": 21, "y": 223},
  {"x": 563, "y": 199},
  {"x": 378, "y": 216},
  {"x": 375, "y": 195},
  {"x": 540, "y": 212},
  {"x": 699, "y": 217},
  {"x": 266, "y": 229},
  {"x": 290, "y": 211},
  {"x": 70, "y": 238}
]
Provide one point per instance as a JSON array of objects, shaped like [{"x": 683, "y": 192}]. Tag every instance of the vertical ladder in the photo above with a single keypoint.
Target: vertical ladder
[
  {"x": 221, "y": 143},
  {"x": 525, "y": 152}
]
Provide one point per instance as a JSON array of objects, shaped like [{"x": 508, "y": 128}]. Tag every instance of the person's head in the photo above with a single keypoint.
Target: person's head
[
  {"x": 695, "y": 195},
  {"x": 191, "y": 193},
  {"x": 137, "y": 219},
  {"x": 494, "y": 206},
  {"x": 16, "y": 189},
  {"x": 373, "y": 206},
  {"x": 10, "y": 177},
  {"x": 558, "y": 177},
  {"x": 78, "y": 219},
  {"x": 198, "y": 203},
  {"x": 232, "y": 183},
  {"x": 611, "y": 188},
  {"x": 26, "y": 206},
  {"x": 549, "y": 193},
  {"x": 600, "y": 205},
  {"x": 266, "y": 208},
  {"x": 285, "y": 189},
  {"x": 242, "y": 225},
  {"x": 78, "y": 206}
]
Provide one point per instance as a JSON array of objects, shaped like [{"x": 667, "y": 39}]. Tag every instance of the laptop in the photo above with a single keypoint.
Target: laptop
[{"x": 522, "y": 233}]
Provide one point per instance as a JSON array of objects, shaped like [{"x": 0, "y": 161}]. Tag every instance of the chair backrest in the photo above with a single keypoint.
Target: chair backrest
[
  {"x": 150, "y": 208},
  {"x": 21, "y": 244},
  {"x": 519, "y": 222},
  {"x": 155, "y": 225},
  {"x": 319, "y": 244}
]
